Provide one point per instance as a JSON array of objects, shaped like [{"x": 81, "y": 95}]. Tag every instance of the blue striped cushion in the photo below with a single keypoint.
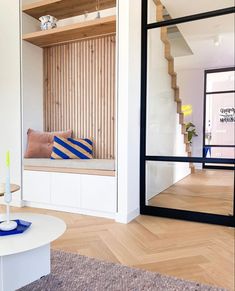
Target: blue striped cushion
[{"x": 71, "y": 148}]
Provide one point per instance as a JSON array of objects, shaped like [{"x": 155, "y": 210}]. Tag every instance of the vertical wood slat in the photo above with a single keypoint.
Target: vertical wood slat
[{"x": 79, "y": 91}]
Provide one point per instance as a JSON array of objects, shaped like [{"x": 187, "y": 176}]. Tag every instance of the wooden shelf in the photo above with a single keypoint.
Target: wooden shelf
[
  {"x": 65, "y": 8},
  {"x": 87, "y": 29}
]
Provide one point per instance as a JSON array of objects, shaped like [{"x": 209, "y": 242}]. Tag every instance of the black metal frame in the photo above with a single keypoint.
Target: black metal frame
[
  {"x": 204, "y": 115},
  {"x": 160, "y": 211}
]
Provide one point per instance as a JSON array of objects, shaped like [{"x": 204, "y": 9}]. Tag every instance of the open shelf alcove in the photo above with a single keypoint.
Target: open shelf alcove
[{"x": 69, "y": 81}]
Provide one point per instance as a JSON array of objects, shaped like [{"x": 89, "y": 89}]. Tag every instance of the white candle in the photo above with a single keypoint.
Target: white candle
[
  {"x": 8, "y": 196},
  {"x": 8, "y": 225}
]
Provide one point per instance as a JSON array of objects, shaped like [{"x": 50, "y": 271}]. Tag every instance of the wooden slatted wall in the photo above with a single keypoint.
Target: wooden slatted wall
[{"x": 79, "y": 91}]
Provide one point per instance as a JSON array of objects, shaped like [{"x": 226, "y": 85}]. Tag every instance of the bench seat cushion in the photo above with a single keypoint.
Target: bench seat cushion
[{"x": 93, "y": 164}]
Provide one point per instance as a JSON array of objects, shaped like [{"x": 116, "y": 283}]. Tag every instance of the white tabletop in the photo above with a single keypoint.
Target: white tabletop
[{"x": 44, "y": 229}]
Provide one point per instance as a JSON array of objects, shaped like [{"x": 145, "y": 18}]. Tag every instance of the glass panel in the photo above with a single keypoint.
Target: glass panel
[
  {"x": 226, "y": 152},
  {"x": 220, "y": 152},
  {"x": 178, "y": 8},
  {"x": 177, "y": 59},
  {"x": 164, "y": 125},
  {"x": 220, "y": 119},
  {"x": 173, "y": 185},
  {"x": 220, "y": 81}
]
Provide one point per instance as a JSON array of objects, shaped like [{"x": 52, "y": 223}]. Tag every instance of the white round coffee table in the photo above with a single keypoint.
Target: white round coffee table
[{"x": 25, "y": 257}]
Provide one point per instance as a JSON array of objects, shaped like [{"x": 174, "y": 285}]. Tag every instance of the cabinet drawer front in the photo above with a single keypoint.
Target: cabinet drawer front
[
  {"x": 98, "y": 193},
  {"x": 65, "y": 189},
  {"x": 36, "y": 187}
]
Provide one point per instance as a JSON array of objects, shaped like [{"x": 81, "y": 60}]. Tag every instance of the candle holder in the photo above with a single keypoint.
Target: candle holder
[{"x": 8, "y": 224}]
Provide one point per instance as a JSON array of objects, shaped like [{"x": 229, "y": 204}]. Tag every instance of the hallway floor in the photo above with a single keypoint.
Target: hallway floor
[{"x": 208, "y": 191}]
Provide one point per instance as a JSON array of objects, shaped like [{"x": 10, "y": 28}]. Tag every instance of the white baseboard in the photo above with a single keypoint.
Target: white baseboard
[
  {"x": 17, "y": 203},
  {"x": 128, "y": 217},
  {"x": 70, "y": 209}
]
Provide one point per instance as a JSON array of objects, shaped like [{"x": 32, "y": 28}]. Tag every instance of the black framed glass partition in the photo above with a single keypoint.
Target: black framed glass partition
[
  {"x": 219, "y": 115},
  {"x": 177, "y": 48}
]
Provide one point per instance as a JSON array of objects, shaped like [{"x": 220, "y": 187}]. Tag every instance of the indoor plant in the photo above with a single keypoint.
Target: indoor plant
[{"x": 191, "y": 130}]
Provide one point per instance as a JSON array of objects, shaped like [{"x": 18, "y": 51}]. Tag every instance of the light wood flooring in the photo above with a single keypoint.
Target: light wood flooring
[
  {"x": 208, "y": 191},
  {"x": 193, "y": 251}
]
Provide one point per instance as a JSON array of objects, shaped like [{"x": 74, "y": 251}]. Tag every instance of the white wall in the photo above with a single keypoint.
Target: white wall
[
  {"x": 90, "y": 16},
  {"x": 32, "y": 80},
  {"x": 164, "y": 137},
  {"x": 129, "y": 69},
  {"x": 10, "y": 90},
  {"x": 191, "y": 84}
]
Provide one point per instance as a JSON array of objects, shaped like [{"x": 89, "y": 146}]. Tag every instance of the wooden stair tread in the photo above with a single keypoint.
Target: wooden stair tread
[{"x": 172, "y": 73}]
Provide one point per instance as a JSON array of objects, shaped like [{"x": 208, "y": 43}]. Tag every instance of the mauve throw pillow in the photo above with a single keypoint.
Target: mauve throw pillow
[{"x": 40, "y": 144}]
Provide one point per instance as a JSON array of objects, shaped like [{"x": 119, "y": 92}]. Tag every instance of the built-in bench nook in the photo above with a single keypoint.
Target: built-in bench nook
[{"x": 69, "y": 81}]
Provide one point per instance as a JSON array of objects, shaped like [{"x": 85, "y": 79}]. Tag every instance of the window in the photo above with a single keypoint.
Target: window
[{"x": 219, "y": 136}]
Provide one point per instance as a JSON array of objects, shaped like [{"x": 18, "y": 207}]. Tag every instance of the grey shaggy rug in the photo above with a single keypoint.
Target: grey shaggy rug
[{"x": 72, "y": 272}]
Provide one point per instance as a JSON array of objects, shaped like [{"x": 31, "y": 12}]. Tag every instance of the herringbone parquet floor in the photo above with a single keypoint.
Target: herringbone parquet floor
[
  {"x": 194, "y": 251},
  {"x": 209, "y": 191}
]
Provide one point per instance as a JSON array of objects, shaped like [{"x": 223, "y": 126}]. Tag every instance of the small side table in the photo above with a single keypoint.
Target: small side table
[
  {"x": 8, "y": 225},
  {"x": 25, "y": 257}
]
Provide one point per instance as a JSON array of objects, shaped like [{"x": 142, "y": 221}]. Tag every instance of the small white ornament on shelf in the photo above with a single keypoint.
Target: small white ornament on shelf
[{"x": 48, "y": 22}]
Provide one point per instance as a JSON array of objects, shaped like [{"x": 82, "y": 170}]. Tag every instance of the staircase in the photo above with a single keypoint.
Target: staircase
[{"x": 167, "y": 54}]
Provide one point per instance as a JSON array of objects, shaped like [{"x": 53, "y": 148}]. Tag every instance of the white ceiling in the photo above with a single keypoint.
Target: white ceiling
[
  {"x": 200, "y": 35},
  {"x": 178, "y": 8}
]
